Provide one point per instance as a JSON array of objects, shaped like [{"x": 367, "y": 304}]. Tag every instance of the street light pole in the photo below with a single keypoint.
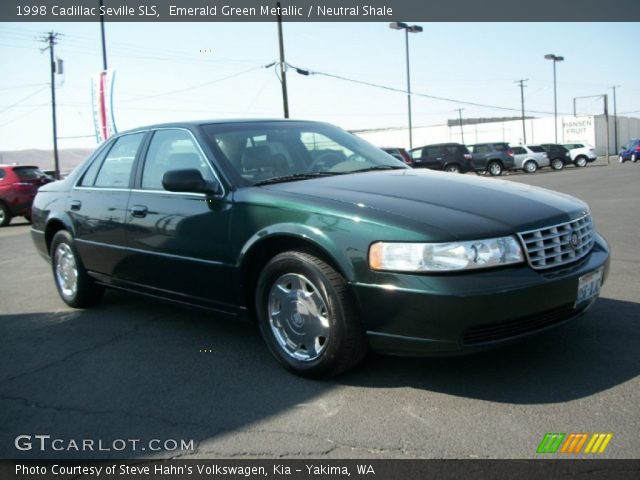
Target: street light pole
[
  {"x": 50, "y": 39},
  {"x": 615, "y": 121},
  {"x": 555, "y": 58},
  {"x": 407, "y": 29},
  {"x": 283, "y": 71},
  {"x": 524, "y": 130},
  {"x": 102, "y": 35},
  {"x": 461, "y": 129}
]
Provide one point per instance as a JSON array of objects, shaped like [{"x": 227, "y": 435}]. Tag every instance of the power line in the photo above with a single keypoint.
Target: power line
[
  {"x": 302, "y": 71},
  {"x": 23, "y": 99},
  {"x": 200, "y": 85}
]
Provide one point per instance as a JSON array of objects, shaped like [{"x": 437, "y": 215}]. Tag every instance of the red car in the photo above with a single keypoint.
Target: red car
[{"x": 18, "y": 186}]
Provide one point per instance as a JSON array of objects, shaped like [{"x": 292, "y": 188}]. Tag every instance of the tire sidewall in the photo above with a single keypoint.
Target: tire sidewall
[
  {"x": 295, "y": 263},
  {"x": 87, "y": 292},
  {"x": 6, "y": 218},
  {"x": 491, "y": 171},
  {"x": 581, "y": 162},
  {"x": 534, "y": 167},
  {"x": 557, "y": 164}
]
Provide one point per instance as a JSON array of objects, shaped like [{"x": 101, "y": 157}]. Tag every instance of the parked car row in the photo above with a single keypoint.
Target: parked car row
[{"x": 496, "y": 157}]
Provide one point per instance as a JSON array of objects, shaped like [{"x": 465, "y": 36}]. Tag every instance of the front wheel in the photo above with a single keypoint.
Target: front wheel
[
  {"x": 495, "y": 169},
  {"x": 5, "y": 215},
  {"x": 307, "y": 317},
  {"x": 634, "y": 158},
  {"x": 557, "y": 164},
  {"x": 76, "y": 288},
  {"x": 530, "y": 167},
  {"x": 581, "y": 162}
]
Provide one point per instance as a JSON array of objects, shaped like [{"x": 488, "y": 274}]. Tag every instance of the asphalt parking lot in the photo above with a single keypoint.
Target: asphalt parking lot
[{"x": 135, "y": 368}]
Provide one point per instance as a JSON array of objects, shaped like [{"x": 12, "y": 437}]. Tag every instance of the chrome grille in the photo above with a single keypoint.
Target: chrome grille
[{"x": 558, "y": 245}]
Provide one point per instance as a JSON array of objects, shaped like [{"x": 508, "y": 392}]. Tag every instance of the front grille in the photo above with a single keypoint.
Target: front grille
[
  {"x": 558, "y": 245},
  {"x": 502, "y": 331}
]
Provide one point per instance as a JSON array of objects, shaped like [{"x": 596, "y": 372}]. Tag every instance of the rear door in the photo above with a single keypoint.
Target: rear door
[
  {"x": 178, "y": 242},
  {"x": 98, "y": 204}
]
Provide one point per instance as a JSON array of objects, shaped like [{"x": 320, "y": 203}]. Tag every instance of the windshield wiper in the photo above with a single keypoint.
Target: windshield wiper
[
  {"x": 296, "y": 176},
  {"x": 379, "y": 167}
]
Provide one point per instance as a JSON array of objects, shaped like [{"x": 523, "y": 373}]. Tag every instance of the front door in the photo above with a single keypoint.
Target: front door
[{"x": 178, "y": 242}]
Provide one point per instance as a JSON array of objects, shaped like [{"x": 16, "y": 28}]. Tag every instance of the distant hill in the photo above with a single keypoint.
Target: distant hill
[{"x": 69, "y": 157}]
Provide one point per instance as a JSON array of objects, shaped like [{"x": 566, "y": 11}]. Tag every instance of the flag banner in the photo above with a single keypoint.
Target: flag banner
[{"x": 102, "y": 101}]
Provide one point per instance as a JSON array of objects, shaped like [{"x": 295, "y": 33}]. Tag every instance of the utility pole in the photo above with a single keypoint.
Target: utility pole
[
  {"x": 524, "y": 130},
  {"x": 615, "y": 120},
  {"x": 461, "y": 129},
  {"x": 104, "y": 43},
  {"x": 283, "y": 72},
  {"x": 50, "y": 39},
  {"x": 606, "y": 116}
]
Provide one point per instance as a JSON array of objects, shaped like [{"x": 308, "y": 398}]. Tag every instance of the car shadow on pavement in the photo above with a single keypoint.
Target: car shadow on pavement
[
  {"x": 580, "y": 358},
  {"x": 134, "y": 368}
]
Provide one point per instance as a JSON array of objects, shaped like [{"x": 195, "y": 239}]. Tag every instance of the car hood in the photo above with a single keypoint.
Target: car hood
[{"x": 465, "y": 206}]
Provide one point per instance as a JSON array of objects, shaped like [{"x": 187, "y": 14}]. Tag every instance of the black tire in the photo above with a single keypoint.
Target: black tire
[
  {"x": 530, "y": 166},
  {"x": 557, "y": 164},
  {"x": 494, "y": 168},
  {"x": 86, "y": 292},
  {"x": 5, "y": 215},
  {"x": 452, "y": 168},
  {"x": 342, "y": 343},
  {"x": 28, "y": 218},
  {"x": 581, "y": 161}
]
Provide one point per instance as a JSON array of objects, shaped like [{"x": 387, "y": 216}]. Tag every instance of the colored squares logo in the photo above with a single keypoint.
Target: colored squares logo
[{"x": 574, "y": 443}]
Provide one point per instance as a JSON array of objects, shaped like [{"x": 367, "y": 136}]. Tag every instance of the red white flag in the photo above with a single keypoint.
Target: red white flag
[{"x": 102, "y": 96}]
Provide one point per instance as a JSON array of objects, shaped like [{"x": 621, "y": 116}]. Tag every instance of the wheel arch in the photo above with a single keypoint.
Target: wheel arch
[
  {"x": 54, "y": 225},
  {"x": 261, "y": 248}
]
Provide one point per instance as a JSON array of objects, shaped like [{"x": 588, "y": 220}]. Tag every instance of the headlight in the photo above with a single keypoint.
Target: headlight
[{"x": 442, "y": 257}]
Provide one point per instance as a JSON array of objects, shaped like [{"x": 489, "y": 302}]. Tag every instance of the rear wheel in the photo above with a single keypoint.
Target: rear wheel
[
  {"x": 557, "y": 164},
  {"x": 76, "y": 288},
  {"x": 581, "y": 161},
  {"x": 494, "y": 169},
  {"x": 453, "y": 168},
  {"x": 530, "y": 166},
  {"x": 5, "y": 215},
  {"x": 621, "y": 158},
  {"x": 307, "y": 317}
]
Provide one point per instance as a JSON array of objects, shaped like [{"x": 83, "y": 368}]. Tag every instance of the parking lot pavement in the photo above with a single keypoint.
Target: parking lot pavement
[{"x": 135, "y": 368}]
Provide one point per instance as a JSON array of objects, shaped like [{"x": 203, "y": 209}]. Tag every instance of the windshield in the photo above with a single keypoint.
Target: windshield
[{"x": 261, "y": 152}]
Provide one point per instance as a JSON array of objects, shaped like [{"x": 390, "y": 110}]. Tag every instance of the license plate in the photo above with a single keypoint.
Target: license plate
[{"x": 589, "y": 286}]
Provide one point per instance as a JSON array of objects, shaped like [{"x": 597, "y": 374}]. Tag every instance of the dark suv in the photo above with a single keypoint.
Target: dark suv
[
  {"x": 558, "y": 155},
  {"x": 450, "y": 157},
  {"x": 494, "y": 158}
]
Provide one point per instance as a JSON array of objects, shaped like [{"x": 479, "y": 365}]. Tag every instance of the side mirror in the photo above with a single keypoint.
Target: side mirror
[{"x": 189, "y": 180}]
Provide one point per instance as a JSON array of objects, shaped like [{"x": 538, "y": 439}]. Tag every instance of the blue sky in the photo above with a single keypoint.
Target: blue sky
[{"x": 476, "y": 62}]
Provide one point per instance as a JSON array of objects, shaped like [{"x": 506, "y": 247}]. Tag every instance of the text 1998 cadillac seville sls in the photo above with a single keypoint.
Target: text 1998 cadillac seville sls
[{"x": 331, "y": 244}]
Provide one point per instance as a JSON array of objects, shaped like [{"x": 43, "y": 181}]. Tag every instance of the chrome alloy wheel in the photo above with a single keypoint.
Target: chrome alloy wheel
[
  {"x": 66, "y": 270},
  {"x": 299, "y": 317}
]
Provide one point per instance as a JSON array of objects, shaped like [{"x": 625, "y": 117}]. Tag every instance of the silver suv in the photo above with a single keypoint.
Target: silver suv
[{"x": 530, "y": 157}]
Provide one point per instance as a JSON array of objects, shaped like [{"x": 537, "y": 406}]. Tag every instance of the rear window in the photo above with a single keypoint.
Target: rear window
[
  {"x": 536, "y": 149},
  {"x": 28, "y": 173},
  {"x": 501, "y": 147}
]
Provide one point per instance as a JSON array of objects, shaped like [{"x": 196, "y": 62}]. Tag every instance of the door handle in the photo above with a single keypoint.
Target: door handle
[
  {"x": 75, "y": 205},
  {"x": 139, "y": 211}
]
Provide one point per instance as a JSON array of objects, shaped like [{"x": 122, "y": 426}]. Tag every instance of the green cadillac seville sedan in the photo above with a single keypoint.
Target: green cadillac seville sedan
[{"x": 332, "y": 245}]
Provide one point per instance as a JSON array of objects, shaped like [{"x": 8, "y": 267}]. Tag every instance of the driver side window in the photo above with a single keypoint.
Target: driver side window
[{"x": 172, "y": 149}]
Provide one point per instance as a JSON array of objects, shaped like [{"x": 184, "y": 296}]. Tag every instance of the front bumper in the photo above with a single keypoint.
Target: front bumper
[{"x": 455, "y": 314}]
